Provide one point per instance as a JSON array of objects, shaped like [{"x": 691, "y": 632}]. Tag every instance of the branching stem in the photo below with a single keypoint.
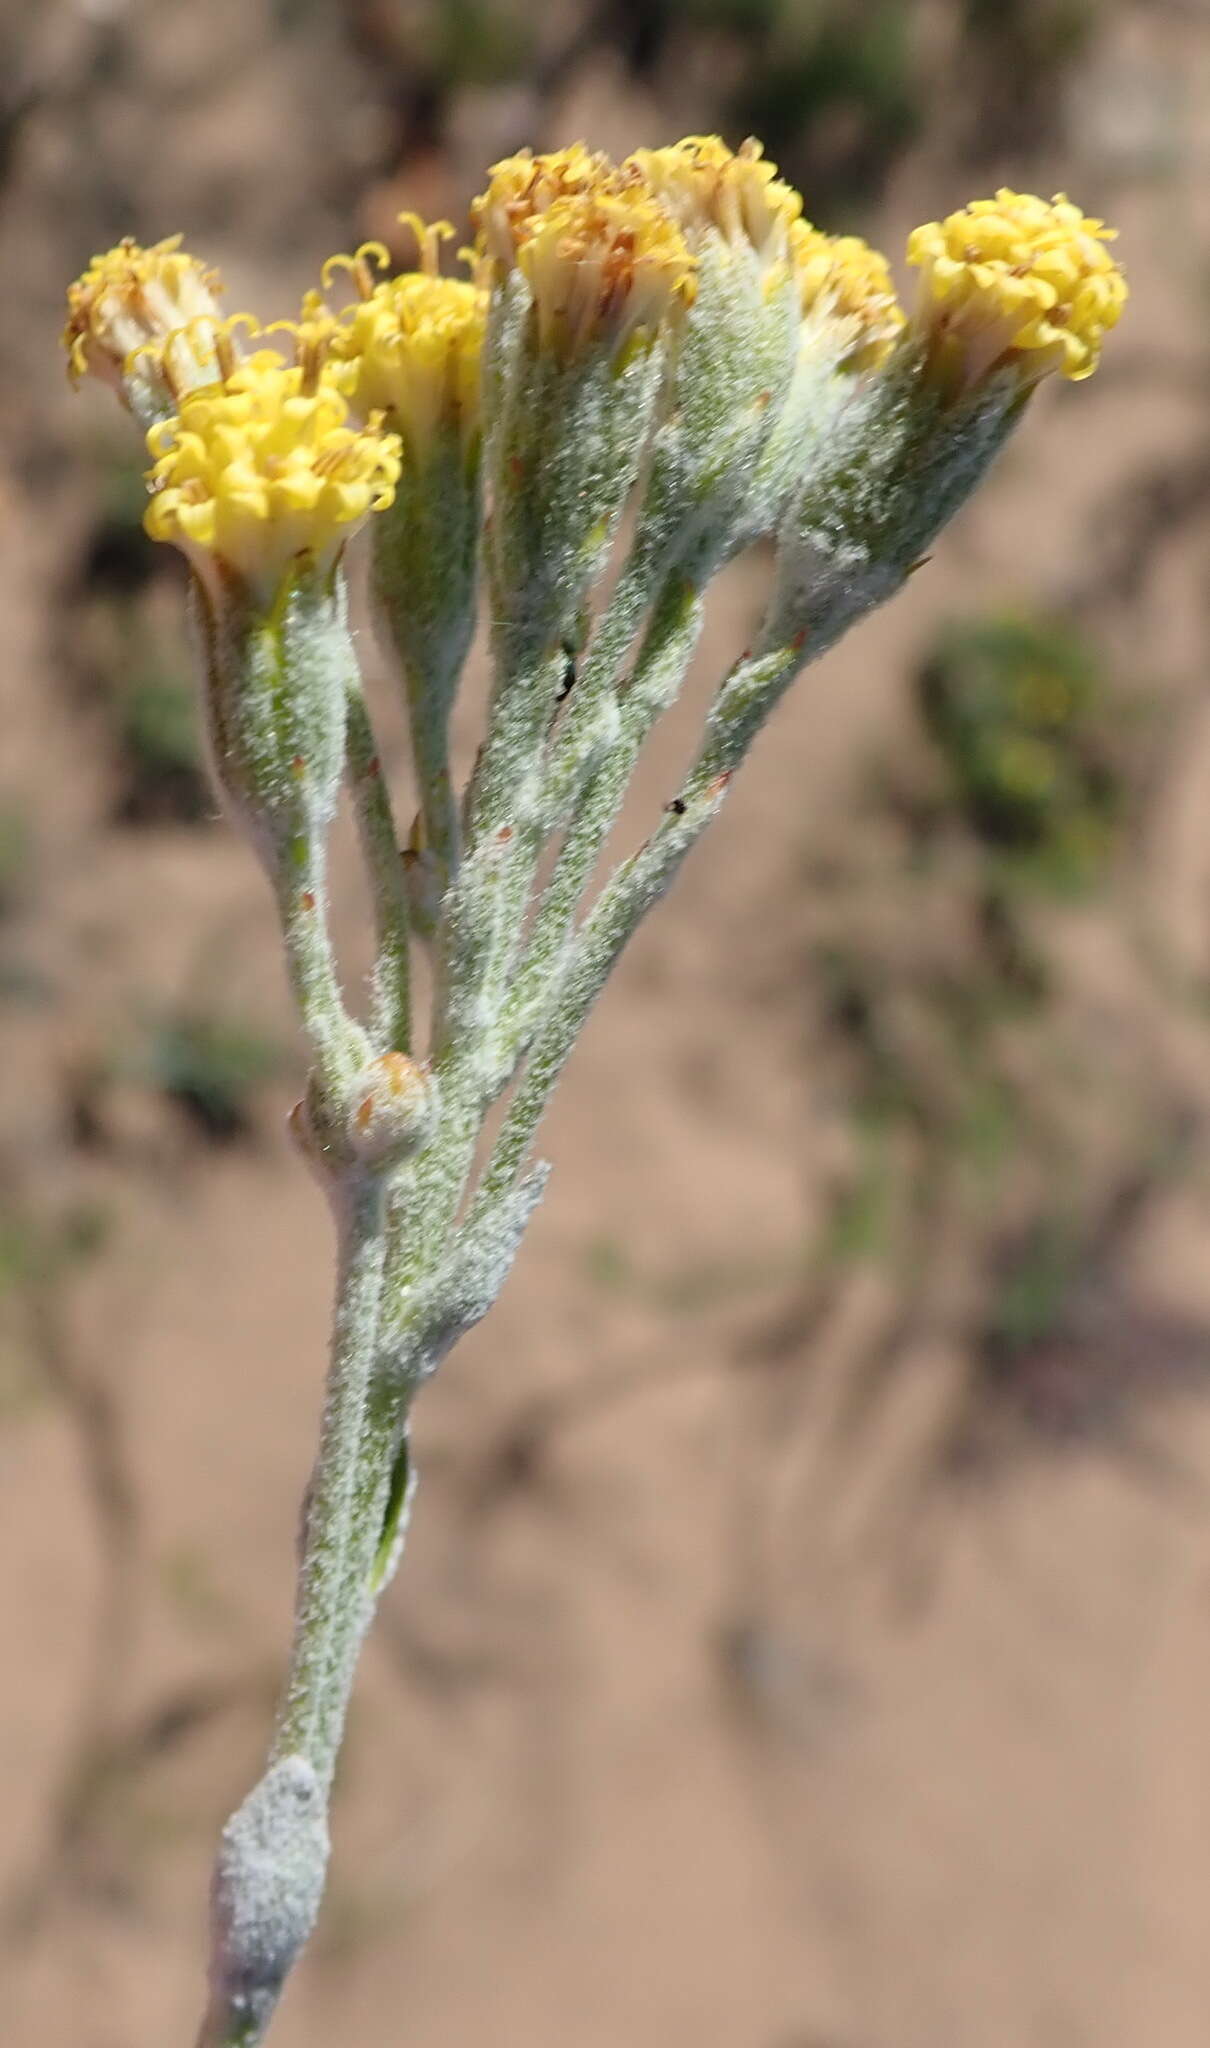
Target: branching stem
[{"x": 391, "y": 1023}]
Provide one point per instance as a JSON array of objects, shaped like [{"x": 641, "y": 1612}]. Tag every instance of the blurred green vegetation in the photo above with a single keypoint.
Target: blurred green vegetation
[
  {"x": 205, "y": 1063},
  {"x": 20, "y": 979},
  {"x": 39, "y": 1256},
  {"x": 837, "y": 93},
  {"x": 1018, "y": 56},
  {"x": 1018, "y": 710},
  {"x": 834, "y": 93},
  {"x": 16, "y": 847},
  {"x": 1026, "y": 1306},
  {"x": 998, "y": 1137},
  {"x": 125, "y": 653},
  {"x": 477, "y": 42},
  {"x": 212, "y": 1067},
  {"x": 614, "y": 1266},
  {"x": 155, "y": 725}
]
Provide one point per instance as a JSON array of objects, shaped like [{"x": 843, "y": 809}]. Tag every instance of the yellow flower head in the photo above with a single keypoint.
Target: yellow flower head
[
  {"x": 522, "y": 187},
  {"x": 1018, "y": 282},
  {"x": 158, "y": 303},
  {"x": 734, "y": 193},
  {"x": 604, "y": 265},
  {"x": 603, "y": 259},
  {"x": 842, "y": 278},
  {"x": 410, "y": 346},
  {"x": 263, "y": 467}
]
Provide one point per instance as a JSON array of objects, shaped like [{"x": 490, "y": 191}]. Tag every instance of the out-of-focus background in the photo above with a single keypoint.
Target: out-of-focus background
[{"x": 804, "y": 1639}]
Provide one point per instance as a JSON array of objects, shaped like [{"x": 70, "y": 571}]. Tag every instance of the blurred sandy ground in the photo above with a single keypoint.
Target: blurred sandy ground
[{"x": 711, "y": 1705}]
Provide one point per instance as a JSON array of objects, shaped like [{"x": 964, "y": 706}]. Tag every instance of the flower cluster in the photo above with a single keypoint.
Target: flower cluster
[
  {"x": 261, "y": 459},
  {"x": 132, "y": 301},
  {"x": 524, "y": 186},
  {"x": 844, "y": 282},
  {"x": 604, "y": 260},
  {"x": 593, "y": 238},
  {"x": 737, "y": 194},
  {"x": 412, "y": 343},
  {"x": 1016, "y": 282},
  {"x": 264, "y": 466}
]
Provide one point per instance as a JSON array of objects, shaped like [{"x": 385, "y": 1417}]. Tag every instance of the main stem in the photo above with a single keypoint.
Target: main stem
[
  {"x": 272, "y": 1859},
  {"x": 304, "y": 1726}
]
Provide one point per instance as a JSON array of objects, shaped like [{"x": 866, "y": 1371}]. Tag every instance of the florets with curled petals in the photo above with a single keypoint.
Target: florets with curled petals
[
  {"x": 604, "y": 266},
  {"x": 603, "y": 259},
  {"x": 735, "y": 193},
  {"x": 1015, "y": 282},
  {"x": 263, "y": 467},
  {"x": 524, "y": 186},
  {"x": 133, "y": 301},
  {"x": 410, "y": 346},
  {"x": 841, "y": 279}
]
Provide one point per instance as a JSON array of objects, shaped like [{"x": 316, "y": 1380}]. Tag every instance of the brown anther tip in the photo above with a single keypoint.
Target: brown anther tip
[
  {"x": 365, "y": 1110},
  {"x": 298, "y": 765},
  {"x": 504, "y": 835},
  {"x": 373, "y": 766},
  {"x": 799, "y": 641},
  {"x": 307, "y": 900},
  {"x": 516, "y": 468},
  {"x": 720, "y": 782}
]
